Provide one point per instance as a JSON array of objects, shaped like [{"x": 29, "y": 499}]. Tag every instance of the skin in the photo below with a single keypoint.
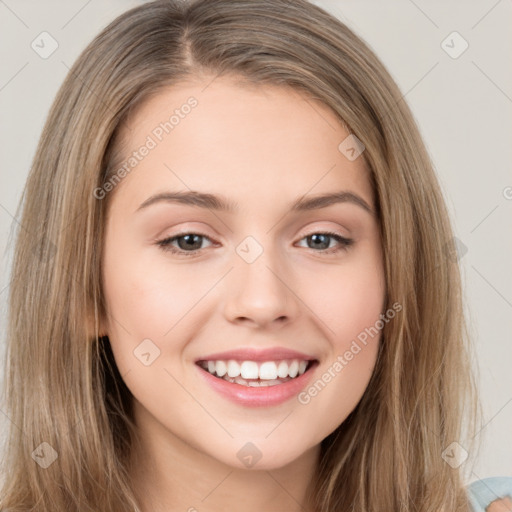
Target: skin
[
  {"x": 262, "y": 147},
  {"x": 501, "y": 505}
]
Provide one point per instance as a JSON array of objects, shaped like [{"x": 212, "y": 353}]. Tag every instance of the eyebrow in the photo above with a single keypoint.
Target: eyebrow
[{"x": 219, "y": 203}]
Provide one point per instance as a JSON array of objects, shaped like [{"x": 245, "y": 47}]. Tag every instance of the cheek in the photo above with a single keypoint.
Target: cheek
[
  {"x": 137, "y": 301},
  {"x": 359, "y": 305},
  {"x": 150, "y": 298},
  {"x": 141, "y": 303},
  {"x": 145, "y": 296},
  {"x": 351, "y": 310},
  {"x": 343, "y": 376},
  {"x": 354, "y": 333},
  {"x": 348, "y": 298}
]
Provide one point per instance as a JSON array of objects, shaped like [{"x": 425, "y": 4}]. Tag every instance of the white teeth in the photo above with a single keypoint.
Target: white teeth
[
  {"x": 233, "y": 369},
  {"x": 249, "y": 370},
  {"x": 220, "y": 368},
  {"x": 282, "y": 369},
  {"x": 268, "y": 371},
  {"x": 293, "y": 369}
]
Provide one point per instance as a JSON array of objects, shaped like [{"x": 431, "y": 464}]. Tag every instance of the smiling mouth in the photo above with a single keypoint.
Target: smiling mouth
[{"x": 255, "y": 373}]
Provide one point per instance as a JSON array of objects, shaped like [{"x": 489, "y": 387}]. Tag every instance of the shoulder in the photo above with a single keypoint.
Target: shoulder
[{"x": 483, "y": 492}]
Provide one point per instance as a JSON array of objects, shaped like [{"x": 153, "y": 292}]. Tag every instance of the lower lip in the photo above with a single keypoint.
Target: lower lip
[{"x": 262, "y": 396}]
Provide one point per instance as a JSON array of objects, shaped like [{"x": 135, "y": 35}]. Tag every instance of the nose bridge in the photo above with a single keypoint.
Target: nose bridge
[{"x": 258, "y": 289}]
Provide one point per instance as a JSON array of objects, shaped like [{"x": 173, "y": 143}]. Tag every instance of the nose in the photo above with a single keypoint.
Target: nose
[{"x": 260, "y": 293}]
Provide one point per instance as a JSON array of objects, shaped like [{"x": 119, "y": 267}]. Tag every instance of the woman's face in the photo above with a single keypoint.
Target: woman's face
[{"x": 254, "y": 293}]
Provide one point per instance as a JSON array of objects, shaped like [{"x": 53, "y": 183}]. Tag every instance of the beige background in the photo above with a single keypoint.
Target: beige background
[{"x": 463, "y": 106}]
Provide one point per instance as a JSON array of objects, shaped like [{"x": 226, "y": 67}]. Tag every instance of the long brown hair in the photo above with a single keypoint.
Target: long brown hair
[{"x": 71, "y": 427}]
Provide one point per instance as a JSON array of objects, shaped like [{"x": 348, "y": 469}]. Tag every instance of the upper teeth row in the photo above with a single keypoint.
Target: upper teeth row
[{"x": 268, "y": 370}]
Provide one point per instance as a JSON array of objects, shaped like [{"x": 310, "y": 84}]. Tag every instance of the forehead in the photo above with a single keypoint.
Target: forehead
[{"x": 224, "y": 135}]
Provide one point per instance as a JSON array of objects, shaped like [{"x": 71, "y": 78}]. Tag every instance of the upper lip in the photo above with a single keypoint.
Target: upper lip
[{"x": 252, "y": 354}]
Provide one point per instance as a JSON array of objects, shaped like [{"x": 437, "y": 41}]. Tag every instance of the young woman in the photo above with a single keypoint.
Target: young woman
[{"x": 235, "y": 284}]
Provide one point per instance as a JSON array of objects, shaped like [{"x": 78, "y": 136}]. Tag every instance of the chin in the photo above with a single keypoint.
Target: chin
[{"x": 261, "y": 454}]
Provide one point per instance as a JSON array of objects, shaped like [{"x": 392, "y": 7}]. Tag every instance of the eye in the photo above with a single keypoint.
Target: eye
[
  {"x": 320, "y": 240},
  {"x": 188, "y": 243}
]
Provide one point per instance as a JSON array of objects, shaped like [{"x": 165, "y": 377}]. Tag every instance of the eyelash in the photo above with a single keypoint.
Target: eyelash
[{"x": 165, "y": 244}]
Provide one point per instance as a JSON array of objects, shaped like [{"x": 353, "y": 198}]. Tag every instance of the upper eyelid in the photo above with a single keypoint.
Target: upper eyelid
[
  {"x": 328, "y": 232},
  {"x": 199, "y": 231}
]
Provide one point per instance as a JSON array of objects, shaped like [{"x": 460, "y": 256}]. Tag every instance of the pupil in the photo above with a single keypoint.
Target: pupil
[
  {"x": 318, "y": 240},
  {"x": 315, "y": 238},
  {"x": 190, "y": 240}
]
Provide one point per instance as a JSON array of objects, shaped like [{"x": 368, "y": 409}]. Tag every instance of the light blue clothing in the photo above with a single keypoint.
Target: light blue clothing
[{"x": 483, "y": 492}]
